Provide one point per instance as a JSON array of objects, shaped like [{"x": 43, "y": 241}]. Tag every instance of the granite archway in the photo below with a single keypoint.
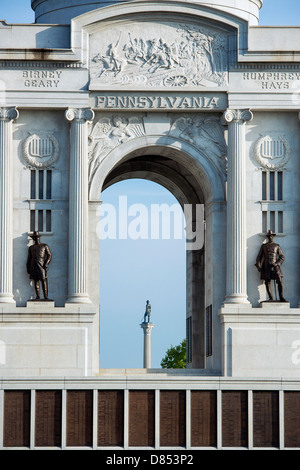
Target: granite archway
[{"x": 193, "y": 179}]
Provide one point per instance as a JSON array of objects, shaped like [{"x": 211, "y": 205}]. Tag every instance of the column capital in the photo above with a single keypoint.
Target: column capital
[
  {"x": 79, "y": 114},
  {"x": 236, "y": 115},
  {"x": 147, "y": 327},
  {"x": 8, "y": 113}
]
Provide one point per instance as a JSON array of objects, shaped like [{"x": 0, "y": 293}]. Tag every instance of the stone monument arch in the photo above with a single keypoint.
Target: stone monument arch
[
  {"x": 182, "y": 93},
  {"x": 199, "y": 97}
]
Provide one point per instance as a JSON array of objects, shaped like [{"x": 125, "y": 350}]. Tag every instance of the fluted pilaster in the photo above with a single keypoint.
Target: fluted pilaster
[
  {"x": 236, "y": 290},
  {"x": 78, "y": 204},
  {"x": 7, "y": 116}
]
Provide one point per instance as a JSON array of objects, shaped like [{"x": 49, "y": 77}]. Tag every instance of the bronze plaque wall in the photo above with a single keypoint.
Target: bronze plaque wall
[
  {"x": 79, "y": 417},
  {"x": 142, "y": 418},
  {"x": 155, "y": 419},
  {"x": 111, "y": 418},
  {"x": 204, "y": 418},
  {"x": 292, "y": 419},
  {"x": 172, "y": 418},
  {"x": 235, "y": 418},
  {"x": 48, "y": 418},
  {"x": 265, "y": 419},
  {"x": 16, "y": 418}
]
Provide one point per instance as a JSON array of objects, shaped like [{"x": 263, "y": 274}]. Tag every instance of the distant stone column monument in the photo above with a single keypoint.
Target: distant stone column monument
[{"x": 147, "y": 327}]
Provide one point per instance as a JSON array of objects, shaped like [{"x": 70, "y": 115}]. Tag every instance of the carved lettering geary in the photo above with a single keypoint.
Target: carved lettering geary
[
  {"x": 41, "y": 78},
  {"x": 148, "y": 56}
]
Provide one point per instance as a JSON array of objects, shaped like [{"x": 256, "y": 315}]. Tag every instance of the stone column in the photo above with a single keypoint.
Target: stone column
[
  {"x": 7, "y": 115},
  {"x": 236, "y": 289},
  {"x": 78, "y": 204},
  {"x": 147, "y": 327}
]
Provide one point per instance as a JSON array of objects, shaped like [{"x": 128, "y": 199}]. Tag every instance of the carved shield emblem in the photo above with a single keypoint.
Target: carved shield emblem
[
  {"x": 272, "y": 152},
  {"x": 41, "y": 150}
]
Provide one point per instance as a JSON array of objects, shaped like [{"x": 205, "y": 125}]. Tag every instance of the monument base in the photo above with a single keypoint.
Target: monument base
[
  {"x": 43, "y": 340},
  {"x": 261, "y": 342}
]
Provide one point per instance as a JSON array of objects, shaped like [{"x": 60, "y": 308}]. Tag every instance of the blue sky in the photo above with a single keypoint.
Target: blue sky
[
  {"x": 133, "y": 271},
  {"x": 274, "y": 12}
]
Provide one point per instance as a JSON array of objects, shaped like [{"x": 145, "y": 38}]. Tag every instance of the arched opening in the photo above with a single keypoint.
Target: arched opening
[
  {"x": 142, "y": 258},
  {"x": 194, "y": 180}
]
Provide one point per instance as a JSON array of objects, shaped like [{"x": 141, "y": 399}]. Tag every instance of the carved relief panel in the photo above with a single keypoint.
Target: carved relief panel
[
  {"x": 107, "y": 133},
  {"x": 200, "y": 130},
  {"x": 206, "y": 134},
  {"x": 152, "y": 55}
]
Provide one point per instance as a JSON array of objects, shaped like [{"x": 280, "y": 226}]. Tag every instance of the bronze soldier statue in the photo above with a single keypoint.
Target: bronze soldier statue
[
  {"x": 38, "y": 260},
  {"x": 268, "y": 262},
  {"x": 147, "y": 312}
]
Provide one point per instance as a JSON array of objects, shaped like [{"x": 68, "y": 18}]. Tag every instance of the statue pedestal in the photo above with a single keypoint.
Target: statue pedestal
[
  {"x": 43, "y": 340},
  {"x": 260, "y": 342},
  {"x": 147, "y": 327}
]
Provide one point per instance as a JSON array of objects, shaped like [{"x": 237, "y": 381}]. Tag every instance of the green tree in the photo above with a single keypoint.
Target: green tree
[{"x": 175, "y": 357}]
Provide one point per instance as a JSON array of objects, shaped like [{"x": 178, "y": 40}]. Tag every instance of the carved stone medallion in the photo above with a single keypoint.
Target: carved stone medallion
[
  {"x": 272, "y": 151},
  {"x": 148, "y": 55},
  {"x": 40, "y": 150}
]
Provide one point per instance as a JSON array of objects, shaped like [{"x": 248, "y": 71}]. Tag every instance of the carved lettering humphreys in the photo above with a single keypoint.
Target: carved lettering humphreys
[
  {"x": 109, "y": 132},
  {"x": 182, "y": 56},
  {"x": 41, "y": 78},
  {"x": 40, "y": 150},
  {"x": 272, "y": 151},
  {"x": 272, "y": 81},
  {"x": 205, "y": 133}
]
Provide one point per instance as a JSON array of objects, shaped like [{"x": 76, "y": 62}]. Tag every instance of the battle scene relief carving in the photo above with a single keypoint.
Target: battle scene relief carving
[{"x": 148, "y": 55}]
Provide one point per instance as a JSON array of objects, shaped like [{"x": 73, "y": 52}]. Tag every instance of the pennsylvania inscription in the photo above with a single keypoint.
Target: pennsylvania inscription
[{"x": 186, "y": 102}]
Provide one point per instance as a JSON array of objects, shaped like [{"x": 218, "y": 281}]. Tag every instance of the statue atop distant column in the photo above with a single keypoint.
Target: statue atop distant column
[
  {"x": 268, "y": 263},
  {"x": 147, "y": 312},
  {"x": 38, "y": 260},
  {"x": 147, "y": 327}
]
